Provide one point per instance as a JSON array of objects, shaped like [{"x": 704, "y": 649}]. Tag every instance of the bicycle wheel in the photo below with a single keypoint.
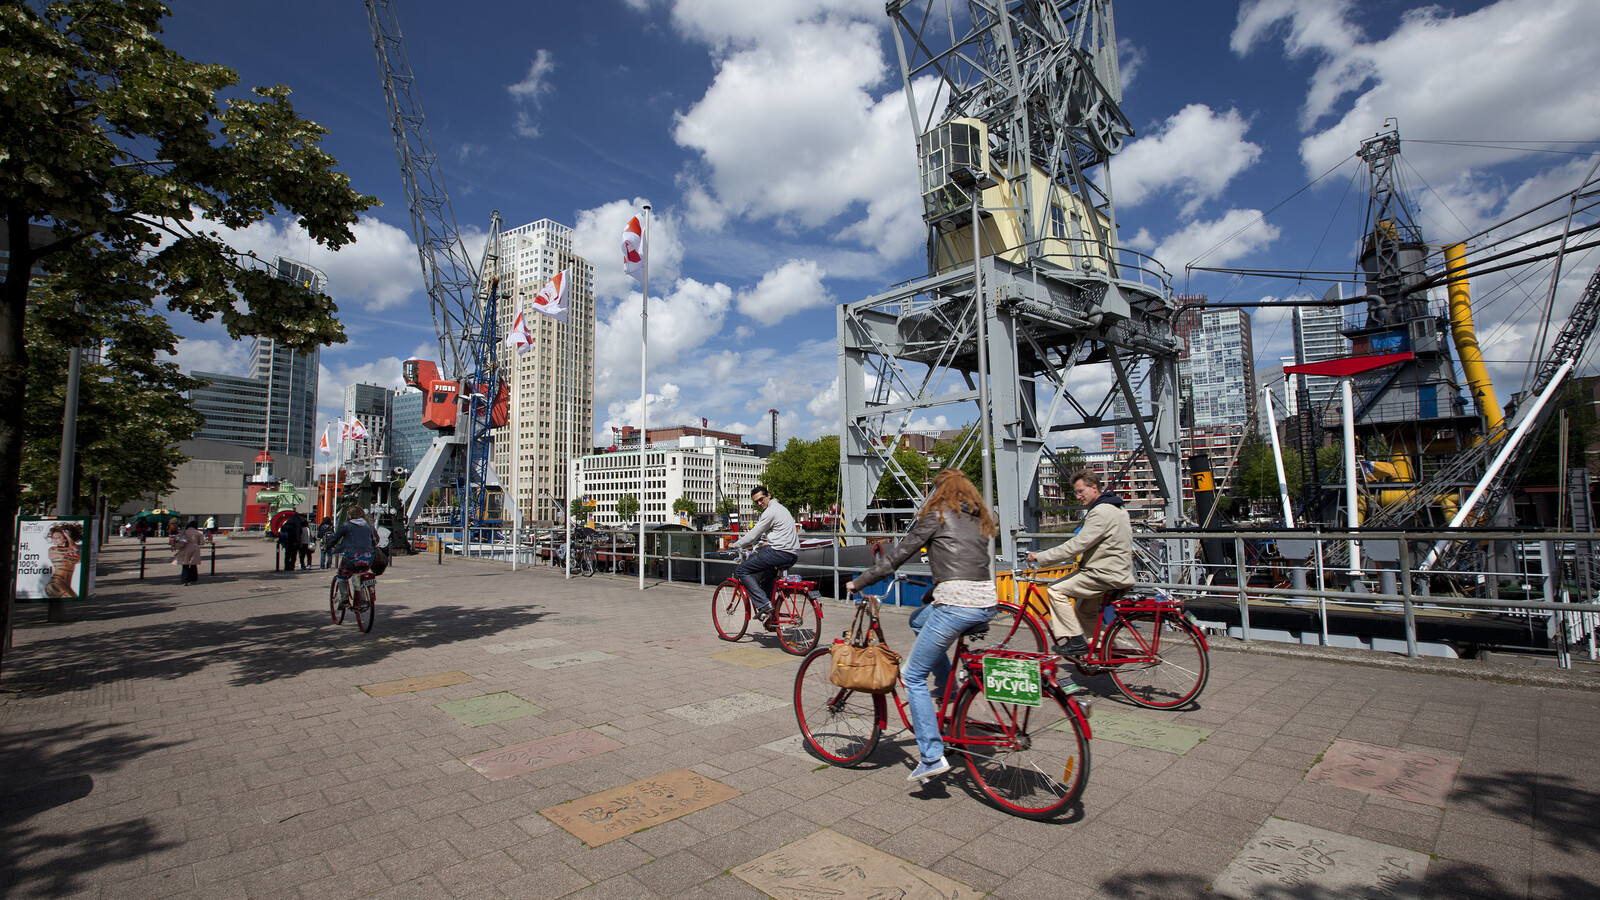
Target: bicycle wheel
[
  {"x": 799, "y": 623},
  {"x": 1032, "y": 761},
  {"x": 837, "y": 725},
  {"x": 586, "y": 562},
  {"x": 1007, "y": 632},
  {"x": 366, "y": 605},
  {"x": 335, "y": 594},
  {"x": 730, "y": 611},
  {"x": 1156, "y": 659}
]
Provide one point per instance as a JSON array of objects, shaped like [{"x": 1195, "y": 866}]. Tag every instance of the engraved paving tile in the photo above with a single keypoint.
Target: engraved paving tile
[
  {"x": 517, "y": 646},
  {"x": 1387, "y": 772},
  {"x": 754, "y": 657},
  {"x": 828, "y": 864},
  {"x": 419, "y": 683},
  {"x": 793, "y": 745},
  {"x": 543, "y": 753},
  {"x": 1286, "y": 859},
  {"x": 726, "y": 709},
  {"x": 489, "y": 708},
  {"x": 571, "y": 659},
  {"x": 1151, "y": 734},
  {"x": 600, "y": 818},
  {"x": 577, "y": 620}
]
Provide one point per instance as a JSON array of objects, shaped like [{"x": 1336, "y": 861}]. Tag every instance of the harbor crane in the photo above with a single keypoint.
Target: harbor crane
[{"x": 469, "y": 399}]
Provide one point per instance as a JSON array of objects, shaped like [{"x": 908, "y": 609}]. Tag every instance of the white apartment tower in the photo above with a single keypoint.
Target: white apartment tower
[
  {"x": 1318, "y": 336},
  {"x": 552, "y": 391}
]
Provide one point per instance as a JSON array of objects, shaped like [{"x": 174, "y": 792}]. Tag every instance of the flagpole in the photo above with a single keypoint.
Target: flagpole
[
  {"x": 567, "y": 440},
  {"x": 516, "y": 450},
  {"x": 644, "y": 396}
]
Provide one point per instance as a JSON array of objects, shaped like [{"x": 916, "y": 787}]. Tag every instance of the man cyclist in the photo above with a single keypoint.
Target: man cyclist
[
  {"x": 1105, "y": 541},
  {"x": 358, "y": 540},
  {"x": 759, "y": 573}
]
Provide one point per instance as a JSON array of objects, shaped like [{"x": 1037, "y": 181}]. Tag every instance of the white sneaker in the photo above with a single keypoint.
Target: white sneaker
[{"x": 926, "y": 770}]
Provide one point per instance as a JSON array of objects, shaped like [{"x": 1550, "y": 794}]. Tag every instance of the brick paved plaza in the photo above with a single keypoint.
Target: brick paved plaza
[{"x": 226, "y": 740}]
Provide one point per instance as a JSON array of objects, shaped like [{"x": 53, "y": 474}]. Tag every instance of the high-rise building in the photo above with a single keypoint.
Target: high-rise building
[
  {"x": 704, "y": 469},
  {"x": 1318, "y": 335},
  {"x": 1217, "y": 364},
  {"x": 371, "y": 405},
  {"x": 409, "y": 439},
  {"x": 272, "y": 408},
  {"x": 552, "y": 393}
]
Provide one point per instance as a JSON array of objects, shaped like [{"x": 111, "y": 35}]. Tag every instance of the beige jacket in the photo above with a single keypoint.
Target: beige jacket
[
  {"x": 189, "y": 543},
  {"x": 1105, "y": 542}
]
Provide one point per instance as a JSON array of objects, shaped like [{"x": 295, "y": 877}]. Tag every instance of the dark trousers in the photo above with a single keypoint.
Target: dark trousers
[
  {"x": 189, "y": 574},
  {"x": 759, "y": 573}
]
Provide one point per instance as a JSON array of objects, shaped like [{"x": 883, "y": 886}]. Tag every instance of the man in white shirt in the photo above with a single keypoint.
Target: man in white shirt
[{"x": 759, "y": 573}]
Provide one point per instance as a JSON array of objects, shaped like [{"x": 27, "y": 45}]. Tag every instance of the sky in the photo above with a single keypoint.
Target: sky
[{"x": 772, "y": 142}]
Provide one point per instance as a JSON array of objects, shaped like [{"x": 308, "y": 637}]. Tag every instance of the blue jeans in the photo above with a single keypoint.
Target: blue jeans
[
  {"x": 759, "y": 573},
  {"x": 937, "y": 627}
]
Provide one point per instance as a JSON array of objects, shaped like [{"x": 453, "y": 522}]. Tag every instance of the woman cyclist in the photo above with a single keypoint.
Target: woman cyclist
[
  {"x": 955, "y": 525},
  {"x": 357, "y": 540}
]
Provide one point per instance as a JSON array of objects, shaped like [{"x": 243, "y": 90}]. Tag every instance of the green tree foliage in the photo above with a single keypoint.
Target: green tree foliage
[
  {"x": 127, "y": 159},
  {"x": 727, "y": 505},
  {"x": 804, "y": 475},
  {"x": 685, "y": 505},
  {"x": 1069, "y": 462},
  {"x": 579, "y": 509},
  {"x": 1257, "y": 475},
  {"x": 1542, "y": 463},
  {"x": 131, "y": 408},
  {"x": 627, "y": 507},
  {"x": 915, "y": 465}
]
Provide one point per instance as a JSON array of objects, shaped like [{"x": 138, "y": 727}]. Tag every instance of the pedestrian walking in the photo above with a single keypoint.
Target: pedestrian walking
[
  {"x": 289, "y": 540},
  {"x": 187, "y": 553},
  {"x": 324, "y": 533}
]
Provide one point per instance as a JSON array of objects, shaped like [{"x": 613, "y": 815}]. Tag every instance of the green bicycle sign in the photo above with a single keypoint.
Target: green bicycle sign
[{"x": 1015, "y": 681}]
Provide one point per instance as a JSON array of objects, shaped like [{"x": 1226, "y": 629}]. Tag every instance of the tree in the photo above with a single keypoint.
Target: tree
[
  {"x": 915, "y": 465},
  {"x": 627, "y": 507},
  {"x": 685, "y": 505},
  {"x": 579, "y": 509},
  {"x": 1069, "y": 461},
  {"x": 727, "y": 506},
  {"x": 1542, "y": 466},
  {"x": 118, "y": 162},
  {"x": 804, "y": 475}
]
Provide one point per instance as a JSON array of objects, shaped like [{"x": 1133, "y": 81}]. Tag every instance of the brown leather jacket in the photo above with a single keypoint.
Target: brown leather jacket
[{"x": 957, "y": 550}]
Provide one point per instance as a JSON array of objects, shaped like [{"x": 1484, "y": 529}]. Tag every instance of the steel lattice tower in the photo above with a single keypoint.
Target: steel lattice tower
[{"x": 1015, "y": 111}]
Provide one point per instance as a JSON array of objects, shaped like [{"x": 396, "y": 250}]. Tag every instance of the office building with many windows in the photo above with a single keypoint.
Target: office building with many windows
[
  {"x": 700, "y": 468},
  {"x": 1318, "y": 336},
  {"x": 409, "y": 439},
  {"x": 1217, "y": 364},
  {"x": 272, "y": 408}
]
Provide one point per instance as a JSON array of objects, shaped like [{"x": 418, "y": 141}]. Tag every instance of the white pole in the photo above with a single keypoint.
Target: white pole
[
  {"x": 516, "y": 450},
  {"x": 567, "y": 441},
  {"x": 1277, "y": 459},
  {"x": 1353, "y": 515},
  {"x": 644, "y": 396},
  {"x": 1499, "y": 461}
]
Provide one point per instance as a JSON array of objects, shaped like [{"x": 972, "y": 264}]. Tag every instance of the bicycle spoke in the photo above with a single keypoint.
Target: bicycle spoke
[
  {"x": 1037, "y": 758},
  {"x": 1172, "y": 668}
]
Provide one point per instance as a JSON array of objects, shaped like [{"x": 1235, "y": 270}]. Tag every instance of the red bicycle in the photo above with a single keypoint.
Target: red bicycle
[
  {"x": 1150, "y": 646},
  {"x": 1028, "y": 749},
  {"x": 363, "y": 600},
  {"x": 796, "y": 602}
]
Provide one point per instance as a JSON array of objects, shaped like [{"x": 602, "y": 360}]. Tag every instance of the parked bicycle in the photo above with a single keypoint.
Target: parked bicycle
[
  {"x": 1024, "y": 736},
  {"x": 583, "y": 557},
  {"x": 796, "y": 602},
  {"x": 362, "y": 599},
  {"x": 1148, "y": 643}
]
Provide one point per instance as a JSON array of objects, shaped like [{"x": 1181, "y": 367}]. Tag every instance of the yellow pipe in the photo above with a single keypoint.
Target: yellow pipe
[{"x": 1467, "y": 338}]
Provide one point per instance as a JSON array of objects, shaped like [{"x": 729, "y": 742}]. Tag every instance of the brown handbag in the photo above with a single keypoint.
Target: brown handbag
[{"x": 860, "y": 661}]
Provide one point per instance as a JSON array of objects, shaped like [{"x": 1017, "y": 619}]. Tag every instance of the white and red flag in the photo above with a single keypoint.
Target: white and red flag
[
  {"x": 323, "y": 446},
  {"x": 633, "y": 249},
  {"x": 344, "y": 431},
  {"x": 519, "y": 338},
  {"x": 357, "y": 432},
  {"x": 552, "y": 298}
]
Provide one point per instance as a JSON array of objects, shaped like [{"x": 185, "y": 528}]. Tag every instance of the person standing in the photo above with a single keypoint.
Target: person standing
[
  {"x": 955, "y": 525},
  {"x": 307, "y": 543},
  {"x": 324, "y": 533},
  {"x": 289, "y": 540},
  {"x": 759, "y": 573},
  {"x": 187, "y": 555},
  {"x": 1105, "y": 544}
]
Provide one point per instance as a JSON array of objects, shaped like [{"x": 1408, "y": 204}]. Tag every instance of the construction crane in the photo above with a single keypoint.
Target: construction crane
[{"x": 465, "y": 403}]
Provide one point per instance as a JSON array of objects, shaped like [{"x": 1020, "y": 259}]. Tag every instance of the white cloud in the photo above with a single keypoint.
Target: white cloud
[
  {"x": 792, "y": 287},
  {"x": 333, "y": 379},
  {"x": 1217, "y": 242},
  {"x": 597, "y": 237},
  {"x": 378, "y": 270},
  {"x": 680, "y": 322},
  {"x": 790, "y": 131},
  {"x": 1513, "y": 70},
  {"x": 721, "y": 23},
  {"x": 1130, "y": 59},
  {"x": 223, "y": 357},
  {"x": 1196, "y": 152},
  {"x": 531, "y": 91}
]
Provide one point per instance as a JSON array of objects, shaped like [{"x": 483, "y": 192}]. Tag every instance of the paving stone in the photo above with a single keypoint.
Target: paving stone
[
  {"x": 828, "y": 864},
  {"x": 419, "y": 683},
  {"x": 519, "y": 646},
  {"x": 530, "y": 756},
  {"x": 1387, "y": 772},
  {"x": 1140, "y": 731},
  {"x": 489, "y": 709},
  {"x": 1287, "y": 858},
  {"x": 577, "y": 658},
  {"x": 753, "y": 657},
  {"x": 619, "y": 812},
  {"x": 726, "y": 709}
]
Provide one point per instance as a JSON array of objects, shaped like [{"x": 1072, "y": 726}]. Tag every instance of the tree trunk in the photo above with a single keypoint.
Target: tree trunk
[{"x": 13, "y": 393}]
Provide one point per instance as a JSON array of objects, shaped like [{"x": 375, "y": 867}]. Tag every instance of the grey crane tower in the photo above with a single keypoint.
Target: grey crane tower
[{"x": 1030, "y": 312}]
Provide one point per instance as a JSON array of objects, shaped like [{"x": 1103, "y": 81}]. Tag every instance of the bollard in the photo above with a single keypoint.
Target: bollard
[
  {"x": 213, "y": 556},
  {"x": 141, "y": 560},
  {"x": 1239, "y": 576},
  {"x": 440, "y": 545},
  {"x": 1405, "y": 591}
]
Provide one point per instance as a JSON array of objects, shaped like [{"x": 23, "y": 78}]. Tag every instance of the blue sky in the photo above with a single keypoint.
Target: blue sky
[{"x": 771, "y": 140}]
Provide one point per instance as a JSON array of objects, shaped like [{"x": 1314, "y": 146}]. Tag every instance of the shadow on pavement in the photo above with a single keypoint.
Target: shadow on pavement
[
  {"x": 260, "y": 648},
  {"x": 1564, "y": 814},
  {"x": 49, "y": 768}
]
